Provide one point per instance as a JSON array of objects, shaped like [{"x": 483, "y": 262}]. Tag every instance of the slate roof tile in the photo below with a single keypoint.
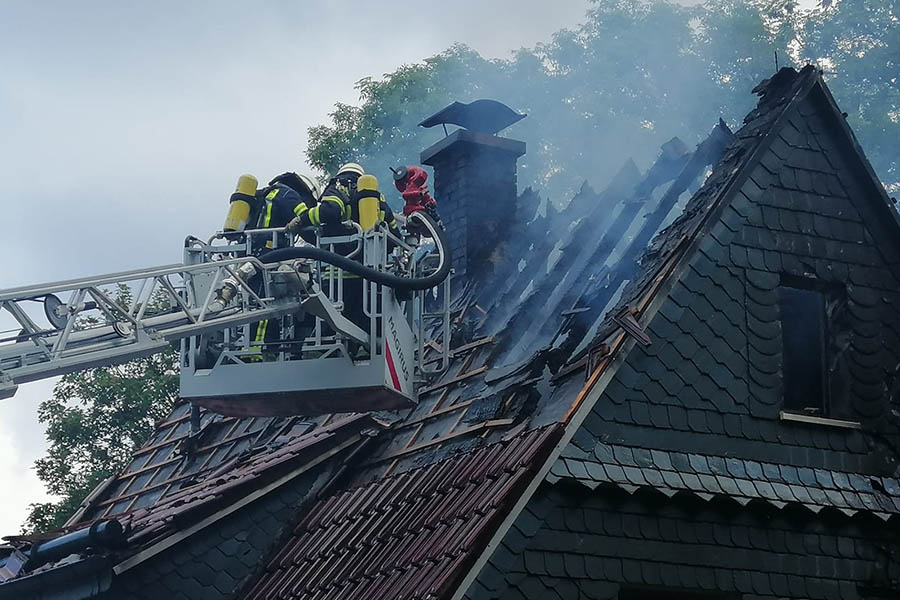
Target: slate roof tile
[
  {"x": 596, "y": 471},
  {"x": 740, "y": 479},
  {"x": 716, "y": 424},
  {"x": 604, "y": 453},
  {"x": 736, "y": 468},
  {"x": 754, "y": 470},
  {"x": 698, "y": 463},
  {"x": 673, "y": 480},
  {"x": 616, "y": 473}
]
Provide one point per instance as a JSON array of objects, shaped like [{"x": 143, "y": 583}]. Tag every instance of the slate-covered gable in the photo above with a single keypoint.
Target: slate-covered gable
[
  {"x": 687, "y": 476},
  {"x": 715, "y": 365},
  {"x": 573, "y": 546}
]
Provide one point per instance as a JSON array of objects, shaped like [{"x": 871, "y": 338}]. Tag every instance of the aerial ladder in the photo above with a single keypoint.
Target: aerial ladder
[{"x": 322, "y": 362}]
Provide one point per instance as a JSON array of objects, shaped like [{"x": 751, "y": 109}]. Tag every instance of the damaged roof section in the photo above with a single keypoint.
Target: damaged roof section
[
  {"x": 248, "y": 473},
  {"x": 519, "y": 323},
  {"x": 675, "y": 240},
  {"x": 214, "y": 495},
  {"x": 173, "y": 458}
]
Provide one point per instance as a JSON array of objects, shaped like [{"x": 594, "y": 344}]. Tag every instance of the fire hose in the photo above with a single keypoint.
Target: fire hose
[{"x": 387, "y": 279}]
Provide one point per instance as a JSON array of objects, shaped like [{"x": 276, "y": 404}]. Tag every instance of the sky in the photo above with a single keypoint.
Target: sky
[{"x": 125, "y": 125}]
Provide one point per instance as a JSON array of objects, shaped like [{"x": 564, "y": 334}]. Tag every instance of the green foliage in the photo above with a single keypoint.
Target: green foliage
[
  {"x": 857, "y": 42},
  {"x": 632, "y": 76},
  {"x": 383, "y": 131},
  {"x": 95, "y": 420}
]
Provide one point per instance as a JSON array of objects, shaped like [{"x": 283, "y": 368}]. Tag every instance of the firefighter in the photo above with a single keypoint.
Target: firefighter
[
  {"x": 338, "y": 205},
  {"x": 410, "y": 181},
  {"x": 287, "y": 196}
]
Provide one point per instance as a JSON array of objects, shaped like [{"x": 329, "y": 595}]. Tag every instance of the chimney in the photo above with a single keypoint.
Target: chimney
[
  {"x": 474, "y": 178},
  {"x": 475, "y": 188}
]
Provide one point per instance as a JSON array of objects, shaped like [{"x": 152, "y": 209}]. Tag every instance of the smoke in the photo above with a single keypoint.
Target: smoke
[{"x": 633, "y": 75}]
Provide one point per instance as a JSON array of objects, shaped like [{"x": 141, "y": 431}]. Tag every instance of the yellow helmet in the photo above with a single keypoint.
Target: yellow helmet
[{"x": 311, "y": 185}]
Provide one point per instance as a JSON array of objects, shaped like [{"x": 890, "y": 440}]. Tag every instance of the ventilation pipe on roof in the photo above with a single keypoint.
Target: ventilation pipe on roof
[{"x": 102, "y": 534}]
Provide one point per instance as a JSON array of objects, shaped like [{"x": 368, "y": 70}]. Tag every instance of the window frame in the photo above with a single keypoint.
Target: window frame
[{"x": 831, "y": 294}]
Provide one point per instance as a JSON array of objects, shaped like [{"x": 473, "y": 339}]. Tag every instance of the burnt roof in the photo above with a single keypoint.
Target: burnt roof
[{"x": 561, "y": 264}]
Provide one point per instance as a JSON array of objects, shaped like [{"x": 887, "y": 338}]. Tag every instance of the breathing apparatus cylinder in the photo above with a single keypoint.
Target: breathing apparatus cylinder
[
  {"x": 368, "y": 201},
  {"x": 240, "y": 203}
]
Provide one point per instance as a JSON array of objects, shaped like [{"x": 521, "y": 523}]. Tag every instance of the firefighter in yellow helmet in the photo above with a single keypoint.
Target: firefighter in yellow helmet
[
  {"x": 338, "y": 205},
  {"x": 287, "y": 196}
]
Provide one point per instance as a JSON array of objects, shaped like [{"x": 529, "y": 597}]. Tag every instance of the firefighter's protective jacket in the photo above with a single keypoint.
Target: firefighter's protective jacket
[
  {"x": 336, "y": 206},
  {"x": 278, "y": 204}
]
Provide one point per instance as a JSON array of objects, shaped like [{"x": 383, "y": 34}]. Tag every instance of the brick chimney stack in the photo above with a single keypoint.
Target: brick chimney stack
[{"x": 475, "y": 188}]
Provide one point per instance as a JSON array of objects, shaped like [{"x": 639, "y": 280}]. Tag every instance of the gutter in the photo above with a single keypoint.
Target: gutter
[{"x": 81, "y": 580}]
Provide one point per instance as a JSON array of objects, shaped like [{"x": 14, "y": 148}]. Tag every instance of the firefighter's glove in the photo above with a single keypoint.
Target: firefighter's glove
[{"x": 294, "y": 225}]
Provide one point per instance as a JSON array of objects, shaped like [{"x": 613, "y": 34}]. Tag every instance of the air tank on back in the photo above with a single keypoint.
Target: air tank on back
[{"x": 241, "y": 203}]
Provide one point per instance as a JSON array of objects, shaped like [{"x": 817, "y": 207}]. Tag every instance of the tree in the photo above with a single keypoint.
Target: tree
[
  {"x": 383, "y": 132},
  {"x": 856, "y": 42},
  {"x": 633, "y": 75},
  {"x": 95, "y": 420}
]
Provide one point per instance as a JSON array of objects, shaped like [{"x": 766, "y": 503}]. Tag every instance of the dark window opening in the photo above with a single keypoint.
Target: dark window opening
[{"x": 804, "y": 334}]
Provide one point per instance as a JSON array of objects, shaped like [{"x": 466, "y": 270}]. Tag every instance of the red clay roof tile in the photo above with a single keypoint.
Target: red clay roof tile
[{"x": 407, "y": 535}]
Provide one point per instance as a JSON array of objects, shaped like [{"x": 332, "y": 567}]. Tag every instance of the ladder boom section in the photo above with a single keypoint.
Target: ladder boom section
[{"x": 99, "y": 325}]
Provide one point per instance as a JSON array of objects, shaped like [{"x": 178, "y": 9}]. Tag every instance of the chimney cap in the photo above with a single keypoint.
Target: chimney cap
[
  {"x": 483, "y": 116},
  {"x": 463, "y": 138}
]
